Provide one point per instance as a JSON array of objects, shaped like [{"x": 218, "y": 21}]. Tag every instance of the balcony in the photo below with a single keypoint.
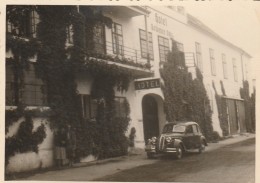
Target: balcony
[{"x": 122, "y": 56}]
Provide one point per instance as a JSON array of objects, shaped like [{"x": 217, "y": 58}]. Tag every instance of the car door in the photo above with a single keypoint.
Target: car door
[
  {"x": 196, "y": 137},
  {"x": 187, "y": 139}
]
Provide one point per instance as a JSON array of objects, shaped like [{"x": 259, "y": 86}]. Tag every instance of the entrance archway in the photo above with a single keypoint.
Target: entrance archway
[{"x": 150, "y": 117}]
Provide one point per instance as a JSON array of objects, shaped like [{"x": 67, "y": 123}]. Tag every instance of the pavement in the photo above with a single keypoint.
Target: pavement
[{"x": 100, "y": 168}]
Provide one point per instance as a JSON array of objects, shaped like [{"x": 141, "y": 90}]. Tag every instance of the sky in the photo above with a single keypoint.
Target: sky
[{"x": 238, "y": 23}]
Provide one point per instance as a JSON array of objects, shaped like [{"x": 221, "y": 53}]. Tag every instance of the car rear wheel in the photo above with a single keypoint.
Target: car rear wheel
[{"x": 179, "y": 152}]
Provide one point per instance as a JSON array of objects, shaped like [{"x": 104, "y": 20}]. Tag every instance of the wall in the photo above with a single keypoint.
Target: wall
[{"x": 30, "y": 160}]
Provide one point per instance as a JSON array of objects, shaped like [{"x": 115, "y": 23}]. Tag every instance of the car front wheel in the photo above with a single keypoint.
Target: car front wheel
[
  {"x": 202, "y": 147},
  {"x": 179, "y": 152}
]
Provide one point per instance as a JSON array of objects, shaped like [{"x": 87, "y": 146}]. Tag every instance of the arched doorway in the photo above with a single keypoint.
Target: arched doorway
[{"x": 150, "y": 117}]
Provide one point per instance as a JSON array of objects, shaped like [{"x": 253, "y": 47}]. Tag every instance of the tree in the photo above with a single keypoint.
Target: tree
[{"x": 184, "y": 98}]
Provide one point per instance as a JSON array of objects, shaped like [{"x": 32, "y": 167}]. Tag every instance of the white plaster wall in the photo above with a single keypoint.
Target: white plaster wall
[{"x": 21, "y": 162}]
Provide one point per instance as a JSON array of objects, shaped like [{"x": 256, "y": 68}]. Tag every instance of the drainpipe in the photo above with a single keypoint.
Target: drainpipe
[{"x": 147, "y": 41}]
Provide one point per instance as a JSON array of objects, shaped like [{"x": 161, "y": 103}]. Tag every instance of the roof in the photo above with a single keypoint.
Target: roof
[{"x": 193, "y": 21}]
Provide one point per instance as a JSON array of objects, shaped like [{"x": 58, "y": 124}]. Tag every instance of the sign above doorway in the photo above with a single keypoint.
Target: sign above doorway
[{"x": 147, "y": 84}]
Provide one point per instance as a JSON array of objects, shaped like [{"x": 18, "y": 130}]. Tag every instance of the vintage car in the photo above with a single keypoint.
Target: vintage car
[{"x": 177, "y": 138}]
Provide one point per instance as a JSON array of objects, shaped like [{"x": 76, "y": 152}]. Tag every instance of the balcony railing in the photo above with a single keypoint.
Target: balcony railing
[{"x": 120, "y": 54}]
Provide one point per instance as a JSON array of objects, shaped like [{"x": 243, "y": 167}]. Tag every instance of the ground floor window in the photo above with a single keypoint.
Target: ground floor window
[
  {"x": 31, "y": 91},
  {"x": 120, "y": 107},
  {"x": 89, "y": 106}
]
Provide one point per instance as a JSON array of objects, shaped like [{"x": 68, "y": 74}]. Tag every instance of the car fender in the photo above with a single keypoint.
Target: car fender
[
  {"x": 203, "y": 139},
  {"x": 178, "y": 142}
]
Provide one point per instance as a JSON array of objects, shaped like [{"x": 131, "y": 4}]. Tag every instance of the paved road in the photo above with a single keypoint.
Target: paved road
[{"x": 228, "y": 164}]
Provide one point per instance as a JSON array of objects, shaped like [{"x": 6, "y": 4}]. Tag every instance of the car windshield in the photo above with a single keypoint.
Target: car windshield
[
  {"x": 172, "y": 128},
  {"x": 168, "y": 128},
  {"x": 179, "y": 128}
]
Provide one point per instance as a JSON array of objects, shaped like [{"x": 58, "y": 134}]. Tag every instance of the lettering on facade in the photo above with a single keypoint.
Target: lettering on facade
[
  {"x": 161, "y": 21},
  {"x": 147, "y": 84}
]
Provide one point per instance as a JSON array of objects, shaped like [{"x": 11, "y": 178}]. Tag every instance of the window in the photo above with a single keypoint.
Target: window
[
  {"x": 224, "y": 63},
  {"x": 10, "y": 97},
  {"x": 212, "y": 62},
  {"x": 88, "y": 106},
  {"x": 120, "y": 107},
  {"x": 163, "y": 48},
  {"x": 180, "y": 46},
  {"x": 99, "y": 39},
  {"x": 189, "y": 129},
  {"x": 199, "y": 56},
  {"x": 195, "y": 129},
  {"x": 27, "y": 25},
  {"x": 234, "y": 68},
  {"x": 143, "y": 41},
  {"x": 69, "y": 32},
  {"x": 31, "y": 93},
  {"x": 117, "y": 39}
]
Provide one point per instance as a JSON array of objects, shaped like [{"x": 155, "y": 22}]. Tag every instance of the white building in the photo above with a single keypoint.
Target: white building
[{"x": 218, "y": 60}]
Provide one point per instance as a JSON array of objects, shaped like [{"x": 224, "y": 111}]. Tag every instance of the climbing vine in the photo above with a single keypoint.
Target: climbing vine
[
  {"x": 22, "y": 48},
  {"x": 222, "y": 109},
  {"x": 25, "y": 140},
  {"x": 249, "y": 105},
  {"x": 185, "y": 98},
  {"x": 57, "y": 65}
]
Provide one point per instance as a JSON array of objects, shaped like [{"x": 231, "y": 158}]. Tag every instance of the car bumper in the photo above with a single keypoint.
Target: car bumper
[
  {"x": 169, "y": 150},
  {"x": 150, "y": 148}
]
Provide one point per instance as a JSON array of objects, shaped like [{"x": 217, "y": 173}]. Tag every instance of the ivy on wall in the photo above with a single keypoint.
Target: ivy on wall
[
  {"x": 57, "y": 65},
  {"x": 222, "y": 109},
  {"x": 22, "y": 49},
  {"x": 249, "y": 103},
  {"x": 25, "y": 140},
  {"x": 185, "y": 98}
]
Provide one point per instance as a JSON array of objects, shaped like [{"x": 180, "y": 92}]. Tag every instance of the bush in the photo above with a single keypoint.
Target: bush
[{"x": 215, "y": 137}]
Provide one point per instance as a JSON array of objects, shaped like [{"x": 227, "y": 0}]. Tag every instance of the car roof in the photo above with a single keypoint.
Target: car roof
[{"x": 182, "y": 122}]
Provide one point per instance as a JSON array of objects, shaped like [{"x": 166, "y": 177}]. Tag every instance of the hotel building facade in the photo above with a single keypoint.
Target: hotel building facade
[{"x": 218, "y": 60}]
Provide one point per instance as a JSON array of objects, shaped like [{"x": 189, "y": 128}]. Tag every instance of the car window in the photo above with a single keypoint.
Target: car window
[
  {"x": 168, "y": 128},
  {"x": 195, "y": 129},
  {"x": 189, "y": 129},
  {"x": 178, "y": 128}
]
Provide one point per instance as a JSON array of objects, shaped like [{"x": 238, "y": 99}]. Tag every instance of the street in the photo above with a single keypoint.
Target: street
[
  {"x": 232, "y": 163},
  {"x": 225, "y": 163}
]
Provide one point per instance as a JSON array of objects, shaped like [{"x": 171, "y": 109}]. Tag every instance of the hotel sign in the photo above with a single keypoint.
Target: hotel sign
[{"x": 147, "y": 84}]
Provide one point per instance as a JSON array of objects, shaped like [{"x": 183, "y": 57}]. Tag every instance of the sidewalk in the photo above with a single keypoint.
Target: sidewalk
[{"x": 98, "y": 169}]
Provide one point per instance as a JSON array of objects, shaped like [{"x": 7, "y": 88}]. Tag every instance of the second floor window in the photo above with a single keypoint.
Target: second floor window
[
  {"x": 235, "y": 69},
  {"x": 69, "y": 33},
  {"x": 27, "y": 25},
  {"x": 224, "y": 63},
  {"x": 199, "y": 56},
  {"x": 143, "y": 43},
  {"x": 99, "y": 39},
  {"x": 212, "y": 62},
  {"x": 180, "y": 46},
  {"x": 163, "y": 48},
  {"x": 117, "y": 38}
]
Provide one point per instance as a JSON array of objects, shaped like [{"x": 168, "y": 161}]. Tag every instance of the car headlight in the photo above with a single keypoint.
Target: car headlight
[
  {"x": 153, "y": 140},
  {"x": 168, "y": 139}
]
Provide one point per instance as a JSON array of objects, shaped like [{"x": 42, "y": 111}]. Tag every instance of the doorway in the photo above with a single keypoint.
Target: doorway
[{"x": 150, "y": 117}]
